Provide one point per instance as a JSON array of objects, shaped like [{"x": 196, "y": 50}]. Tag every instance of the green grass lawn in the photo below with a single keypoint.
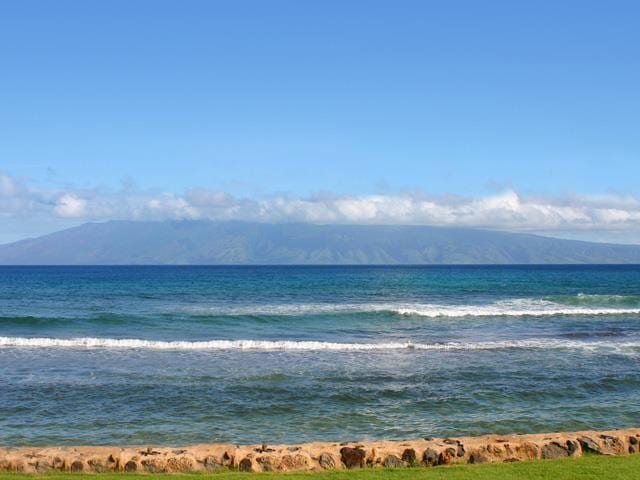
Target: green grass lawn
[{"x": 589, "y": 467}]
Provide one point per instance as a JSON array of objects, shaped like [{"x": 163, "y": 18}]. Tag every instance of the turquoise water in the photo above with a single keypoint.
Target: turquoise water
[{"x": 177, "y": 355}]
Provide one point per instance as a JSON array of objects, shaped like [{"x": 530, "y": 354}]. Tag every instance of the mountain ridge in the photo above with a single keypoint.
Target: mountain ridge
[{"x": 205, "y": 242}]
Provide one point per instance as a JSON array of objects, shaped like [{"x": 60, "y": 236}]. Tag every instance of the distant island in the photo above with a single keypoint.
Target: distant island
[{"x": 202, "y": 242}]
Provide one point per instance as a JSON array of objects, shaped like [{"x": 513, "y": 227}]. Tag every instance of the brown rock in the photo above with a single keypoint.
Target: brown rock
[
  {"x": 573, "y": 447},
  {"x": 130, "y": 466},
  {"x": 179, "y": 464},
  {"x": 245, "y": 465},
  {"x": 588, "y": 445},
  {"x": 16, "y": 466},
  {"x": 409, "y": 456},
  {"x": 479, "y": 456},
  {"x": 42, "y": 466},
  {"x": 294, "y": 462},
  {"x": 352, "y": 457},
  {"x": 77, "y": 466},
  {"x": 430, "y": 457},
  {"x": 554, "y": 450},
  {"x": 495, "y": 449},
  {"x": 393, "y": 462},
  {"x": 97, "y": 465},
  {"x": 372, "y": 459},
  {"x": 446, "y": 456},
  {"x": 227, "y": 460},
  {"x": 327, "y": 461},
  {"x": 267, "y": 464},
  {"x": 612, "y": 445},
  {"x": 211, "y": 463},
  {"x": 529, "y": 450},
  {"x": 154, "y": 466}
]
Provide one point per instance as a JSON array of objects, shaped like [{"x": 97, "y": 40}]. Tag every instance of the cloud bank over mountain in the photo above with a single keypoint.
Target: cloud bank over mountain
[{"x": 508, "y": 210}]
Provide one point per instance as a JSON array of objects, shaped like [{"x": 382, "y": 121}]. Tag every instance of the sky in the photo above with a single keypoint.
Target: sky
[{"x": 520, "y": 116}]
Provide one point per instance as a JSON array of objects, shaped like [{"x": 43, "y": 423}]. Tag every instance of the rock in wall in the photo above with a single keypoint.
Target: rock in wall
[{"x": 426, "y": 452}]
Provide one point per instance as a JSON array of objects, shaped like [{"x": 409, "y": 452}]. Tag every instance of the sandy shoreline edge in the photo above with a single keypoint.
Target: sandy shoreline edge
[{"x": 318, "y": 456}]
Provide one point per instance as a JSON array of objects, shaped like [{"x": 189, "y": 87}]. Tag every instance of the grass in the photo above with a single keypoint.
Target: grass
[{"x": 588, "y": 467}]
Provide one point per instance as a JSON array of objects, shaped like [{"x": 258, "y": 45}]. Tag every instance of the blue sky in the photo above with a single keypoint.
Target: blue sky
[{"x": 117, "y": 104}]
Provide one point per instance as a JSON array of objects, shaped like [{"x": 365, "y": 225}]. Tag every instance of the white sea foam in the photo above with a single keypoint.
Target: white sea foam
[
  {"x": 504, "y": 308},
  {"x": 514, "y": 308},
  {"x": 286, "y": 345}
]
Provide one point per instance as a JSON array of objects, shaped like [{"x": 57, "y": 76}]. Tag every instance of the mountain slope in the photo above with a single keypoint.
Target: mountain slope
[{"x": 208, "y": 242}]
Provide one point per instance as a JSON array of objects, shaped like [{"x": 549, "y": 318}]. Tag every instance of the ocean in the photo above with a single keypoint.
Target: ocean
[{"x": 181, "y": 355}]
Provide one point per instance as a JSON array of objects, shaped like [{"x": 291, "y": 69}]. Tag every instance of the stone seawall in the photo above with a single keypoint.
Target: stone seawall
[{"x": 426, "y": 452}]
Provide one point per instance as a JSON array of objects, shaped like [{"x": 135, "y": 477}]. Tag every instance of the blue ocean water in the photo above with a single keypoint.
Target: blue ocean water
[{"x": 179, "y": 355}]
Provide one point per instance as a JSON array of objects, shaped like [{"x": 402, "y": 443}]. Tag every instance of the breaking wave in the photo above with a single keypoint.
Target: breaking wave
[
  {"x": 512, "y": 308},
  {"x": 286, "y": 345},
  {"x": 551, "y": 306}
]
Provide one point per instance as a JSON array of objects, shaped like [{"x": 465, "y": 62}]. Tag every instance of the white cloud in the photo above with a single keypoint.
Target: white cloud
[
  {"x": 69, "y": 205},
  {"x": 8, "y": 187},
  {"x": 600, "y": 216}
]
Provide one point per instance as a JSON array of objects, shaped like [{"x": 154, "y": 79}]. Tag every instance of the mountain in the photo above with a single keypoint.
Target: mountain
[{"x": 243, "y": 243}]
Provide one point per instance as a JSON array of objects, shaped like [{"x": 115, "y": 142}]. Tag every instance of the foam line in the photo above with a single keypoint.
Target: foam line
[
  {"x": 286, "y": 345},
  {"x": 504, "y": 308}
]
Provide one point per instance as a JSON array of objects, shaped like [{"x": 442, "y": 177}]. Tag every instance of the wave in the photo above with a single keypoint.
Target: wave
[
  {"x": 599, "y": 300},
  {"x": 285, "y": 309},
  {"x": 511, "y": 308},
  {"x": 37, "y": 321},
  {"x": 287, "y": 345},
  {"x": 569, "y": 305}
]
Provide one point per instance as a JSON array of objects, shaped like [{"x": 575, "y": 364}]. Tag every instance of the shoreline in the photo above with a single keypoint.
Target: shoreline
[{"x": 320, "y": 456}]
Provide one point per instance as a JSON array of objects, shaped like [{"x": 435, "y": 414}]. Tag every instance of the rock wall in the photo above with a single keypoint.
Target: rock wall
[{"x": 426, "y": 452}]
